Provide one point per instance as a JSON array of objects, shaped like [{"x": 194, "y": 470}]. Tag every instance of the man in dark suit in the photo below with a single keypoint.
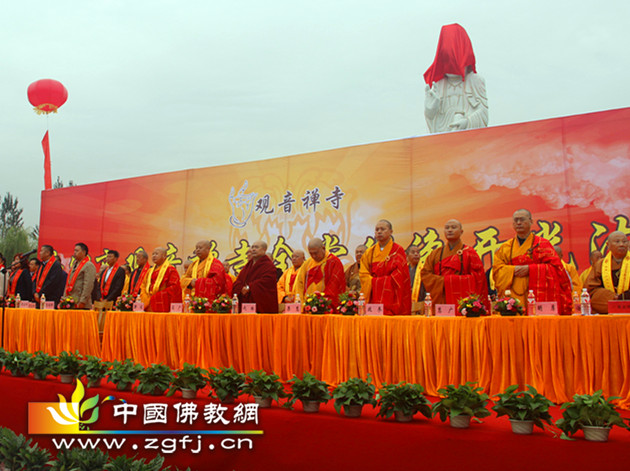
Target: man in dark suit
[
  {"x": 50, "y": 278},
  {"x": 112, "y": 278}
]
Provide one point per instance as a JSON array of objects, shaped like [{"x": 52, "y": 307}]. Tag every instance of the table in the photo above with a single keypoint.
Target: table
[
  {"x": 560, "y": 356},
  {"x": 51, "y": 331}
]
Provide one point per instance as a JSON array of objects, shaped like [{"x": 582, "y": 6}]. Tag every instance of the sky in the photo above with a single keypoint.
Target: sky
[{"x": 159, "y": 86}]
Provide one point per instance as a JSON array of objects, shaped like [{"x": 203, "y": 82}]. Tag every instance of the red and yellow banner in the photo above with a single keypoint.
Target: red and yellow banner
[{"x": 571, "y": 173}]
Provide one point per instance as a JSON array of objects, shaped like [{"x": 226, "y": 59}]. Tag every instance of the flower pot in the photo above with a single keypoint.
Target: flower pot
[
  {"x": 263, "y": 402},
  {"x": 17, "y": 374},
  {"x": 38, "y": 376},
  {"x": 126, "y": 387},
  {"x": 460, "y": 421},
  {"x": 189, "y": 393},
  {"x": 353, "y": 410},
  {"x": 94, "y": 383},
  {"x": 596, "y": 434},
  {"x": 522, "y": 427},
  {"x": 66, "y": 378},
  {"x": 158, "y": 392},
  {"x": 400, "y": 417},
  {"x": 310, "y": 406},
  {"x": 229, "y": 399}
]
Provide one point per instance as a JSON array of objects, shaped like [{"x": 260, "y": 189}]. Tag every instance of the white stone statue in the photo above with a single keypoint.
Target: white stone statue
[{"x": 455, "y": 96}]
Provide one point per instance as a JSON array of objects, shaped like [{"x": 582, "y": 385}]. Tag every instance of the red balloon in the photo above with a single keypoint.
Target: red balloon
[{"x": 47, "y": 95}]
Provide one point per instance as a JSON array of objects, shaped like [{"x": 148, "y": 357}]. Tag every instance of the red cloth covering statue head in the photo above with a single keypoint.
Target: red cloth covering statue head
[{"x": 454, "y": 54}]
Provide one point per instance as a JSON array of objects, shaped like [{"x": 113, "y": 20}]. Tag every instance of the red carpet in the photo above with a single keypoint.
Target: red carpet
[{"x": 327, "y": 441}]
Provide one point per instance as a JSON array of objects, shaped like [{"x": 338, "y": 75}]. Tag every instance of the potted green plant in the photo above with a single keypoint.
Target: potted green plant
[
  {"x": 402, "y": 400},
  {"x": 310, "y": 390},
  {"x": 43, "y": 365},
  {"x": 352, "y": 395},
  {"x": 80, "y": 459},
  {"x": 124, "y": 374},
  {"x": 18, "y": 363},
  {"x": 227, "y": 384},
  {"x": 592, "y": 413},
  {"x": 155, "y": 379},
  {"x": 3, "y": 357},
  {"x": 524, "y": 409},
  {"x": 16, "y": 452},
  {"x": 461, "y": 403},
  {"x": 68, "y": 366},
  {"x": 94, "y": 370},
  {"x": 264, "y": 387},
  {"x": 122, "y": 463},
  {"x": 189, "y": 380}
]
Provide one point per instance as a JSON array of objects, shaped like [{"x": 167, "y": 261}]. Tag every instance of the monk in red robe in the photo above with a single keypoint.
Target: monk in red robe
[
  {"x": 529, "y": 262},
  {"x": 161, "y": 286},
  {"x": 256, "y": 283},
  {"x": 206, "y": 277},
  {"x": 384, "y": 273},
  {"x": 609, "y": 279},
  {"x": 454, "y": 271},
  {"x": 286, "y": 283},
  {"x": 323, "y": 273}
]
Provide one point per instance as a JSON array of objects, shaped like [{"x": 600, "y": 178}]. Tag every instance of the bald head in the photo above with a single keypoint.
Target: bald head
[
  {"x": 158, "y": 256},
  {"x": 316, "y": 249},
  {"x": 453, "y": 231},
  {"x": 258, "y": 249},
  {"x": 359, "y": 251},
  {"x": 558, "y": 250},
  {"x": 618, "y": 244},
  {"x": 595, "y": 256},
  {"x": 297, "y": 258},
  {"x": 202, "y": 249},
  {"x": 522, "y": 222}
]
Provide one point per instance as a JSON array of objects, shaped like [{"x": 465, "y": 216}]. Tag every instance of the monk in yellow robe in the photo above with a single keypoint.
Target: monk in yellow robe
[
  {"x": 351, "y": 272},
  {"x": 576, "y": 284},
  {"x": 161, "y": 286},
  {"x": 609, "y": 279},
  {"x": 206, "y": 278},
  {"x": 415, "y": 277},
  {"x": 228, "y": 273},
  {"x": 286, "y": 283},
  {"x": 593, "y": 258},
  {"x": 323, "y": 273},
  {"x": 529, "y": 262},
  {"x": 385, "y": 274},
  {"x": 454, "y": 271}
]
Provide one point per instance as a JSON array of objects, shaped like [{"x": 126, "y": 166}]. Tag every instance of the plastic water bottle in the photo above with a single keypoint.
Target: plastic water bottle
[
  {"x": 187, "y": 303},
  {"x": 361, "y": 304},
  {"x": 585, "y": 303},
  {"x": 18, "y": 300},
  {"x": 428, "y": 305},
  {"x": 235, "y": 304},
  {"x": 576, "y": 302},
  {"x": 42, "y": 302},
  {"x": 531, "y": 303},
  {"x": 298, "y": 300},
  {"x": 508, "y": 293}
]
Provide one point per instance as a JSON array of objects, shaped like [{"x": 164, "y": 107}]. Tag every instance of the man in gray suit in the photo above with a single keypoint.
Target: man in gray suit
[{"x": 81, "y": 278}]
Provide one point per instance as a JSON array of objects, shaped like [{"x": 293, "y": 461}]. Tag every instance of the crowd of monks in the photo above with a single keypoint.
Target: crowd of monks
[{"x": 384, "y": 273}]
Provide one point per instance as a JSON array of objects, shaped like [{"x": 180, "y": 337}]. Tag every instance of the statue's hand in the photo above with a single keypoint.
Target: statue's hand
[
  {"x": 430, "y": 92},
  {"x": 461, "y": 123}
]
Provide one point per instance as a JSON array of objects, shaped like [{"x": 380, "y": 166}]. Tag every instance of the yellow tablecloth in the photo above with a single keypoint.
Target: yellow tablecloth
[
  {"x": 51, "y": 331},
  {"x": 560, "y": 356}
]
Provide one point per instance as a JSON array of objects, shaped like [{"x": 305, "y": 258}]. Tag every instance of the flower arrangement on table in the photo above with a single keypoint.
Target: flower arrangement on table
[
  {"x": 8, "y": 301},
  {"x": 471, "y": 306},
  {"x": 509, "y": 307},
  {"x": 125, "y": 303},
  {"x": 67, "y": 302},
  {"x": 222, "y": 304},
  {"x": 317, "y": 303},
  {"x": 348, "y": 303},
  {"x": 199, "y": 305}
]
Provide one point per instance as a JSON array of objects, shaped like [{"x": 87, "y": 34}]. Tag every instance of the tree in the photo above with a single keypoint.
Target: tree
[
  {"x": 16, "y": 241},
  {"x": 59, "y": 183},
  {"x": 10, "y": 214}
]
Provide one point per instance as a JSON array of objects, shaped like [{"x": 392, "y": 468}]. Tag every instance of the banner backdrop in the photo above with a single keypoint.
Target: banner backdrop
[{"x": 572, "y": 173}]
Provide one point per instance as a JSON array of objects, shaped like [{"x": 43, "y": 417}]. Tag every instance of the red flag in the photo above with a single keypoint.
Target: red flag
[{"x": 47, "y": 173}]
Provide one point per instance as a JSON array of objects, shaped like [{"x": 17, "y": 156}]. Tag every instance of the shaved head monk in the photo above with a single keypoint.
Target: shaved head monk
[
  {"x": 593, "y": 257},
  {"x": 529, "y": 262},
  {"x": 454, "y": 271},
  {"x": 322, "y": 272},
  {"x": 286, "y": 283},
  {"x": 161, "y": 286},
  {"x": 609, "y": 279},
  {"x": 353, "y": 280},
  {"x": 257, "y": 282},
  {"x": 206, "y": 277},
  {"x": 384, "y": 273}
]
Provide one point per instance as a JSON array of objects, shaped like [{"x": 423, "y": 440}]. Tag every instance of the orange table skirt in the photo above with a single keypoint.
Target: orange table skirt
[
  {"x": 51, "y": 331},
  {"x": 560, "y": 356}
]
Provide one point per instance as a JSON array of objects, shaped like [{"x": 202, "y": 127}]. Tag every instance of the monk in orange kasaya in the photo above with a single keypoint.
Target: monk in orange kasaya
[
  {"x": 161, "y": 286},
  {"x": 323, "y": 273}
]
